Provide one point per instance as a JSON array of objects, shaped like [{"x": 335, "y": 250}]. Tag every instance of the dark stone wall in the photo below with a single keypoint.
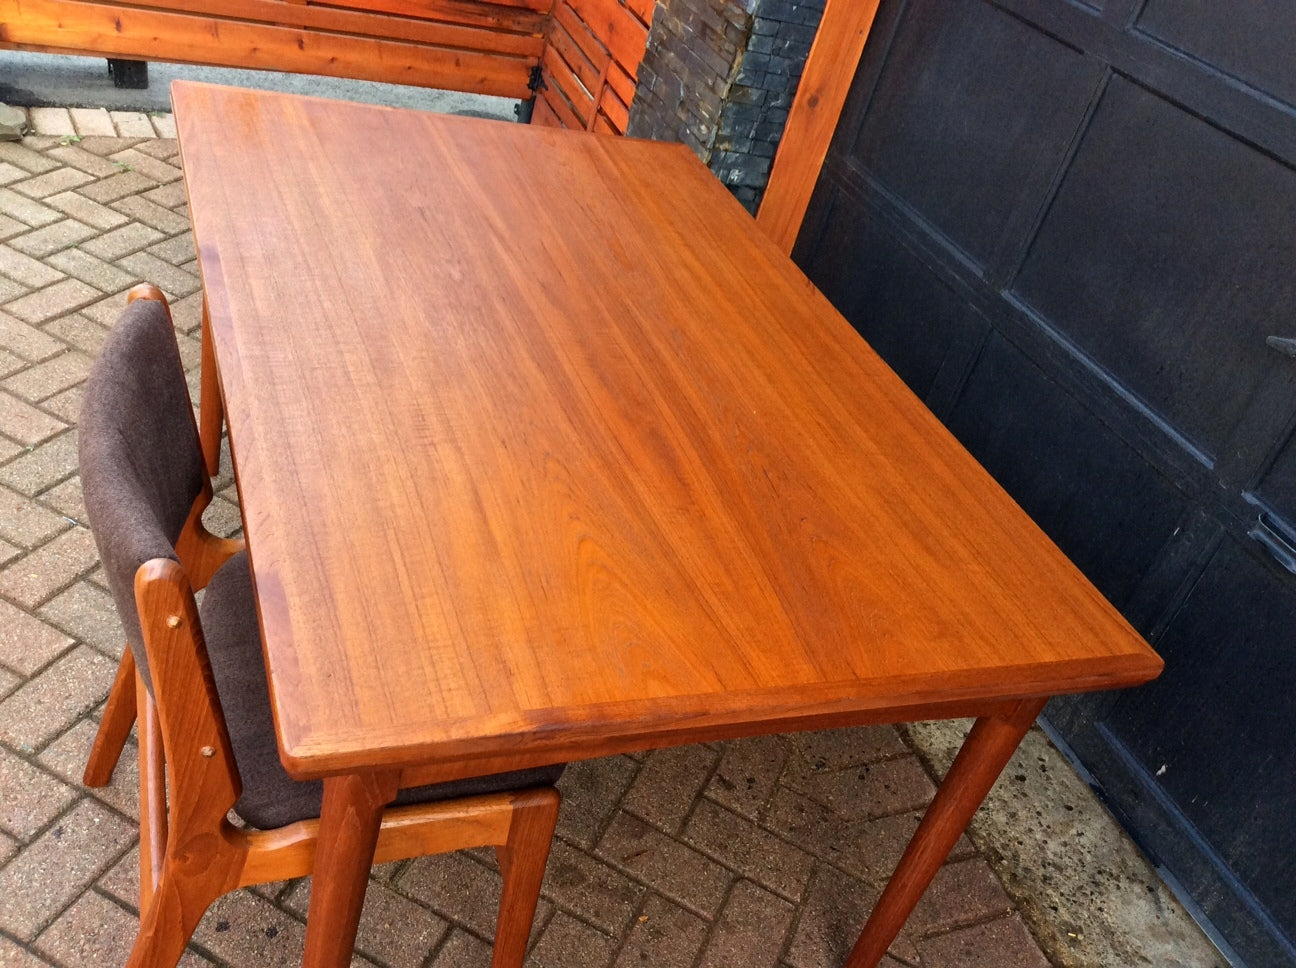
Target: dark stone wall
[{"x": 719, "y": 76}]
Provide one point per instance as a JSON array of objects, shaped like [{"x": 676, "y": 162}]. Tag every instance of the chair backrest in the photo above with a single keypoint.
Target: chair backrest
[{"x": 141, "y": 462}]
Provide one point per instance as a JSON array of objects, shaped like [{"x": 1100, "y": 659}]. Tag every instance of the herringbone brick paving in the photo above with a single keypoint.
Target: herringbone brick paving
[{"x": 763, "y": 852}]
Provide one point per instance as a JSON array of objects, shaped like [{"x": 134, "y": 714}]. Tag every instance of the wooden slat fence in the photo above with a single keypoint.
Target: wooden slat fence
[
  {"x": 460, "y": 45},
  {"x": 584, "y": 53},
  {"x": 590, "y": 64}
]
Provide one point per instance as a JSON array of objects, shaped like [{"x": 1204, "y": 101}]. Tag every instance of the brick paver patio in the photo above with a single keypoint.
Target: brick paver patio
[{"x": 765, "y": 852}]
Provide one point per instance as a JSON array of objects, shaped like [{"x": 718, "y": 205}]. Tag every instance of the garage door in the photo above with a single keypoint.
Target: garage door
[{"x": 1071, "y": 228}]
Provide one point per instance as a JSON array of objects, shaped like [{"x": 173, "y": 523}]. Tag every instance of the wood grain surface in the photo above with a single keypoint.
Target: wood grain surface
[
  {"x": 473, "y": 47},
  {"x": 590, "y": 64},
  {"x": 545, "y": 449}
]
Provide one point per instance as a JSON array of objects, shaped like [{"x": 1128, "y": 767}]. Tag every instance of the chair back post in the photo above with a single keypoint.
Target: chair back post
[{"x": 203, "y": 778}]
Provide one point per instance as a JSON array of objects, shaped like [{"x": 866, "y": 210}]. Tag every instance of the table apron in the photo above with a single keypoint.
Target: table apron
[{"x": 629, "y": 741}]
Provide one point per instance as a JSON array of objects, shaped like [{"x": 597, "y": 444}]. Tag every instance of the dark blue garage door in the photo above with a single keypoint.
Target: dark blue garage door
[{"x": 1071, "y": 228}]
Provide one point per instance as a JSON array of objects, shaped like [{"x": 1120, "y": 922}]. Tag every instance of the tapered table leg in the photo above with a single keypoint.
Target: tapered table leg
[
  {"x": 349, "y": 822},
  {"x": 211, "y": 408},
  {"x": 985, "y": 753}
]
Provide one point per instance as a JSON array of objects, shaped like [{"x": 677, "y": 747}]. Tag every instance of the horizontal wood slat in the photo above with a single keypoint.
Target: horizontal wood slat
[
  {"x": 561, "y": 110},
  {"x": 588, "y": 63},
  {"x": 429, "y": 9},
  {"x": 77, "y": 26},
  {"x": 566, "y": 21},
  {"x": 482, "y": 27},
  {"x": 621, "y": 82},
  {"x": 616, "y": 28},
  {"x": 643, "y": 9},
  {"x": 562, "y": 81},
  {"x": 611, "y": 107},
  {"x": 544, "y": 114}
]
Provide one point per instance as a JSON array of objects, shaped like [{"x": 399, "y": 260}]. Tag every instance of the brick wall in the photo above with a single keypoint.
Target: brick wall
[{"x": 719, "y": 76}]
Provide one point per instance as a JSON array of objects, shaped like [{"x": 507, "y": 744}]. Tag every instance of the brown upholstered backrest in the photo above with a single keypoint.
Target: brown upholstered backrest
[{"x": 141, "y": 466}]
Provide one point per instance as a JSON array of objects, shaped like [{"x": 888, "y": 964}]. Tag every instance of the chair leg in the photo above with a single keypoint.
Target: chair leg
[
  {"x": 115, "y": 727},
  {"x": 184, "y": 892},
  {"x": 522, "y": 862}
]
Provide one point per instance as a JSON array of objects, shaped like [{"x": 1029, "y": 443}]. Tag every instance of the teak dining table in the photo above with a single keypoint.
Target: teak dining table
[{"x": 545, "y": 453}]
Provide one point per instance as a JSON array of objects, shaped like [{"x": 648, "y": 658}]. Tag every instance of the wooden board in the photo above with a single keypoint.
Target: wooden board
[
  {"x": 427, "y": 9},
  {"x": 478, "y": 48},
  {"x": 438, "y": 25},
  {"x": 829, "y": 70},
  {"x": 592, "y": 56}
]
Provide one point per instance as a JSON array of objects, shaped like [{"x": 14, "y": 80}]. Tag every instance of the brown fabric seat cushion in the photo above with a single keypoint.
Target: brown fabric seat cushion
[
  {"x": 271, "y": 798},
  {"x": 141, "y": 467}
]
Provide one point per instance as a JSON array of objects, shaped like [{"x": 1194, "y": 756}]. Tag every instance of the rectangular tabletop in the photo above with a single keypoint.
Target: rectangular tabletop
[{"x": 544, "y": 451}]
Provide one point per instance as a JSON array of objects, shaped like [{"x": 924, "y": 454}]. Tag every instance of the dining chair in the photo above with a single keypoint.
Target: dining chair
[
  {"x": 162, "y": 403},
  {"x": 207, "y": 740}
]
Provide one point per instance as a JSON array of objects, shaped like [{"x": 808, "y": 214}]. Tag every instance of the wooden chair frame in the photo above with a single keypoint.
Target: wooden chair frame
[{"x": 190, "y": 853}]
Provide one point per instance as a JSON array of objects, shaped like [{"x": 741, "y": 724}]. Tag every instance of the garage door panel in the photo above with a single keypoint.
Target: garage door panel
[
  {"x": 1230, "y": 764},
  {"x": 998, "y": 102},
  {"x": 1167, "y": 256},
  {"x": 1252, "y": 42},
  {"x": 892, "y": 297},
  {"x": 1277, "y": 488},
  {"x": 1093, "y": 495}
]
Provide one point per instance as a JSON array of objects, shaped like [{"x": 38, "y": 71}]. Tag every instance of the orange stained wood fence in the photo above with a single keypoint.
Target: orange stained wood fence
[
  {"x": 587, "y": 53},
  {"x": 591, "y": 62},
  {"x": 460, "y": 45}
]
